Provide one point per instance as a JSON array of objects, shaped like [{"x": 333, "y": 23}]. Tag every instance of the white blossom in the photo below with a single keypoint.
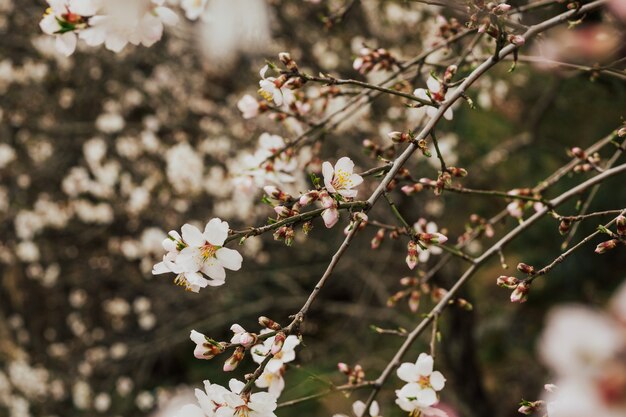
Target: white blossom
[
  {"x": 341, "y": 179},
  {"x": 423, "y": 384}
]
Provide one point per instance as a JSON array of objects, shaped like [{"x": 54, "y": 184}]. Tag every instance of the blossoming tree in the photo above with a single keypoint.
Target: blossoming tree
[{"x": 302, "y": 172}]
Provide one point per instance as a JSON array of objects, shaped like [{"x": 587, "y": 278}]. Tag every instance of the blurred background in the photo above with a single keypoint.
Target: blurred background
[{"x": 101, "y": 154}]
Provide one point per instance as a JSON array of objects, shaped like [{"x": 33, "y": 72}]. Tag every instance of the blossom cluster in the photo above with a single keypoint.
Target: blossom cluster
[
  {"x": 419, "y": 395},
  {"x": 196, "y": 255},
  {"x": 114, "y": 23}
]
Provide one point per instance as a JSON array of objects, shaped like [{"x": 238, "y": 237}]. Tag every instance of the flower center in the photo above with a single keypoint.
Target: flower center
[
  {"x": 341, "y": 179},
  {"x": 242, "y": 411},
  {"x": 208, "y": 251},
  {"x": 424, "y": 381}
]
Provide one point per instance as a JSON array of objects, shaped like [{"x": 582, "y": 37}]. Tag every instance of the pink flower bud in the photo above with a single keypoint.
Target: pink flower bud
[
  {"x": 501, "y": 9},
  {"x": 414, "y": 301},
  {"x": 507, "y": 282},
  {"x": 525, "y": 268},
  {"x": 579, "y": 153},
  {"x": 398, "y": 137},
  {"x": 247, "y": 339},
  {"x": 330, "y": 217},
  {"x": 428, "y": 182},
  {"x": 378, "y": 238},
  {"x": 361, "y": 216},
  {"x": 606, "y": 246},
  {"x": 432, "y": 238},
  {"x": 343, "y": 368},
  {"x": 232, "y": 362},
  {"x": 457, "y": 172},
  {"x": 464, "y": 304},
  {"x": 517, "y": 40},
  {"x": 279, "y": 341},
  {"x": 273, "y": 192},
  {"x": 520, "y": 293},
  {"x": 269, "y": 323},
  {"x": 408, "y": 281},
  {"x": 411, "y": 258},
  {"x": 308, "y": 198},
  {"x": 282, "y": 211},
  {"x": 565, "y": 226}
]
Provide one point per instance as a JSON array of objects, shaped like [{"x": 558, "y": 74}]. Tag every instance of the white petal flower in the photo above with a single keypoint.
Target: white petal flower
[
  {"x": 423, "y": 384},
  {"x": 579, "y": 340},
  {"x": 197, "y": 254},
  {"x": 341, "y": 179}
]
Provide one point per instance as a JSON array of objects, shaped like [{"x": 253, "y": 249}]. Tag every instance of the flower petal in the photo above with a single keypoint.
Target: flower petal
[
  {"x": 433, "y": 84},
  {"x": 424, "y": 364},
  {"x": 216, "y": 232},
  {"x": 437, "y": 381},
  {"x": 427, "y": 397},
  {"x": 229, "y": 258},
  {"x": 190, "y": 259},
  {"x": 328, "y": 172},
  {"x": 358, "y": 408},
  {"x": 192, "y": 235},
  {"x": 408, "y": 372},
  {"x": 214, "y": 270},
  {"x": 345, "y": 164}
]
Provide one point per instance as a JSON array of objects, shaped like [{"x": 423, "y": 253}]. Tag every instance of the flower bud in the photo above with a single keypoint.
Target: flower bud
[
  {"x": 525, "y": 268},
  {"x": 527, "y": 409},
  {"x": 449, "y": 73},
  {"x": 507, "y": 282},
  {"x": 410, "y": 189},
  {"x": 579, "y": 153},
  {"x": 308, "y": 198},
  {"x": 287, "y": 61},
  {"x": 432, "y": 238},
  {"x": 622, "y": 132},
  {"x": 283, "y": 211},
  {"x": 357, "y": 376},
  {"x": 517, "y": 40},
  {"x": 438, "y": 293},
  {"x": 248, "y": 339},
  {"x": 275, "y": 193},
  {"x": 286, "y": 234},
  {"x": 501, "y": 9},
  {"x": 279, "y": 341},
  {"x": 269, "y": 323},
  {"x": 414, "y": 301},
  {"x": 411, "y": 257},
  {"x": 360, "y": 216},
  {"x": 606, "y": 246},
  {"x": 464, "y": 304},
  {"x": 391, "y": 301},
  {"x": 399, "y": 137},
  {"x": 621, "y": 225},
  {"x": 457, "y": 172},
  {"x": 428, "y": 182},
  {"x": 307, "y": 227},
  {"x": 520, "y": 293},
  {"x": 378, "y": 238},
  {"x": 232, "y": 362},
  {"x": 565, "y": 226},
  {"x": 408, "y": 281},
  {"x": 344, "y": 368}
]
